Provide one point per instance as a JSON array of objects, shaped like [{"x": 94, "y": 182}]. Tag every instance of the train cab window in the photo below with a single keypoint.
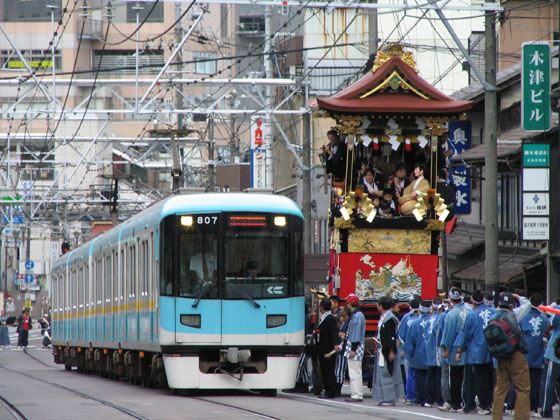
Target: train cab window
[
  {"x": 198, "y": 264},
  {"x": 256, "y": 263}
]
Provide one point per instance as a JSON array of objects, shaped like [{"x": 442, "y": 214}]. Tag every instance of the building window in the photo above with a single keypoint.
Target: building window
[
  {"x": 37, "y": 163},
  {"x": 205, "y": 62},
  {"x": 29, "y": 11},
  {"x": 124, "y": 61},
  {"x": 155, "y": 16},
  {"x": 37, "y": 59},
  {"x": 251, "y": 25}
]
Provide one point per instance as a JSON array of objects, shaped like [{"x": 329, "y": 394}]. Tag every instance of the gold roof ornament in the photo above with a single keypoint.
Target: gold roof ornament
[{"x": 394, "y": 50}]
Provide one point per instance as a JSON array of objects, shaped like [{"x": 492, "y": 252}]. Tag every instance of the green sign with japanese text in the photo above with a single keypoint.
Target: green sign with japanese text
[
  {"x": 535, "y": 86},
  {"x": 536, "y": 154}
]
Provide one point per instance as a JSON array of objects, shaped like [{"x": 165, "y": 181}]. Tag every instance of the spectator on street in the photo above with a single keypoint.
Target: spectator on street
[
  {"x": 4, "y": 333},
  {"x": 24, "y": 324},
  {"x": 479, "y": 372},
  {"x": 10, "y": 307},
  {"x": 387, "y": 377},
  {"x": 533, "y": 325},
  {"x": 454, "y": 322},
  {"x": 327, "y": 346},
  {"x": 415, "y": 349},
  {"x": 514, "y": 367},
  {"x": 355, "y": 348}
]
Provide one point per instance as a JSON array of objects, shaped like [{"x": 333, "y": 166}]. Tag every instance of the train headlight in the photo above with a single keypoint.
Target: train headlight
[
  {"x": 187, "y": 220},
  {"x": 273, "y": 321},
  {"x": 191, "y": 320},
  {"x": 280, "y": 221}
]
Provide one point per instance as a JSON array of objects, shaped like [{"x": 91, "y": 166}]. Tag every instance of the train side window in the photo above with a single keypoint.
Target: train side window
[
  {"x": 167, "y": 259},
  {"x": 107, "y": 275},
  {"x": 115, "y": 275},
  {"x": 98, "y": 284}
]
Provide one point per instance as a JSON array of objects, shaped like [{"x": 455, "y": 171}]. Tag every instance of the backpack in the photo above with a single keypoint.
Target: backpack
[{"x": 500, "y": 337}]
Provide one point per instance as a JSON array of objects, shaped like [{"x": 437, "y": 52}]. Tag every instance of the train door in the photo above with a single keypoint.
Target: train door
[
  {"x": 115, "y": 292},
  {"x": 87, "y": 299},
  {"x": 98, "y": 299},
  {"x": 153, "y": 292},
  {"x": 74, "y": 317},
  {"x": 80, "y": 304},
  {"x": 143, "y": 298},
  {"x": 122, "y": 292}
]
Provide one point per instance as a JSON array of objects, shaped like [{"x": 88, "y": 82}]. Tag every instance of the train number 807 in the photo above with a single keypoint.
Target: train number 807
[{"x": 206, "y": 220}]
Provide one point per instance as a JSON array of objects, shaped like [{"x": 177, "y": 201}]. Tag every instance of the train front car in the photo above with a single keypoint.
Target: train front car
[{"x": 231, "y": 295}]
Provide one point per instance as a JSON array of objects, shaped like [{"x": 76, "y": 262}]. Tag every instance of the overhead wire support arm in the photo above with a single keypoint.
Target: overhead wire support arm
[
  {"x": 472, "y": 64},
  {"x": 345, "y": 5},
  {"x": 172, "y": 58}
]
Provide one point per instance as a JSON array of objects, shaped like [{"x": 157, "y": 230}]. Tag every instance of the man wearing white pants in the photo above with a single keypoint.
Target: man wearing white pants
[{"x": 354, "y": 351}]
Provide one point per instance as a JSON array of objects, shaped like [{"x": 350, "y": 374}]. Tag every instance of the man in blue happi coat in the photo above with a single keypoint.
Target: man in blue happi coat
[
  {"x": 406, "y": 321},
  {"x": 433, "y": 381},
  {"x": 453, "y": 325},
  {"x": 479, "y": 375},
  {"x": 415, "y": 349},
  {"x": 442, "y": 361}
]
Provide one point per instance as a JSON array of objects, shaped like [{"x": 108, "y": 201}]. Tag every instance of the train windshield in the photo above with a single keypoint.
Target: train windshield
[
  {"x": 256, "y": 263},
  {"x": 232, "y": 256}
]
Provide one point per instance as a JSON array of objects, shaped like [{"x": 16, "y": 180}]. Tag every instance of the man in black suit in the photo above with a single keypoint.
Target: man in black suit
[
  {"x": 334, "y": 156},
  {"x": 327, "y": 345}
]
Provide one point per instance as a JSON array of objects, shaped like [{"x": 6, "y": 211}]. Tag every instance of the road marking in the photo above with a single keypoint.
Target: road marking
[{"x": 367, "y": 406}]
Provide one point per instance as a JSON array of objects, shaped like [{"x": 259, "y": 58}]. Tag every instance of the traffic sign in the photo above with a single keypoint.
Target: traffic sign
[
  {"x": 29, "y": 265},
  {"x": 535, "y": 86},
  {"x": 29, "y": 278}
]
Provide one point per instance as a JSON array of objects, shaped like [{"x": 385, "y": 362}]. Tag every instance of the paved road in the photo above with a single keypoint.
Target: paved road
[{"x": 44, "y": 391}]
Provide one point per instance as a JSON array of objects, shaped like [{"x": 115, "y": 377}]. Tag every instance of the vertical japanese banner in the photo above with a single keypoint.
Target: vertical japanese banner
[
  {"x": 460, "y": 138},
  {"x": 535, "y": 86},
  {"x": 258, "y": 152}
]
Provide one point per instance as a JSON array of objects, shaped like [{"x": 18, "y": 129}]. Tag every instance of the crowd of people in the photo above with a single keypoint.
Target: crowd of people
[
  {"x": 441, "y": 353},
  {"x": 394, "y": 186},
  {"x": 23, "y": 324}
]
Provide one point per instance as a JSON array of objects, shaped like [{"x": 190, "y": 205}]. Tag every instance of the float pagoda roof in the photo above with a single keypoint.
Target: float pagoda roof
[{"x": 392, "y": 87}]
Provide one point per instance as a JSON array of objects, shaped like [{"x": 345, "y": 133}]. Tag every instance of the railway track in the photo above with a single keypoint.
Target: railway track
[
  {"x": 12, "y": 409},
  {"x": 125, "y": 410}
]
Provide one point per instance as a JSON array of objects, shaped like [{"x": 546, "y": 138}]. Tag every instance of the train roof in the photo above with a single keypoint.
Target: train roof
[
  {"x": 182, "y": 204},
  {"x": 212, "y": 202}
]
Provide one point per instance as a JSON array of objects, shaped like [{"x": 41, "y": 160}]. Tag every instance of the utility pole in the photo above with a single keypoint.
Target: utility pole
[
  {"x": 490, "y": 191},
  {"x": 179, "y": 67},
  {"x": 268, "y": 98},
  {"x": 372, "y": 30},
  {"x": 211, "y": 166},
  {"x": 306, "y": 178}
]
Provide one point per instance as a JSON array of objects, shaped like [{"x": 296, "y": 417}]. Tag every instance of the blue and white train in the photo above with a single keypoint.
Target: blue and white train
[{"x": 197, "y": 291}]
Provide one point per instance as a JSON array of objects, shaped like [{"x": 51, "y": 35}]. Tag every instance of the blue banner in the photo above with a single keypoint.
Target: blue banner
[{"x": 460, "y": 140}]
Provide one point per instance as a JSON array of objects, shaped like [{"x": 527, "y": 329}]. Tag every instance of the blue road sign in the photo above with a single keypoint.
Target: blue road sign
[
  {"x": 29, "y": 278},
  {"x": 29, "y": 265}
]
